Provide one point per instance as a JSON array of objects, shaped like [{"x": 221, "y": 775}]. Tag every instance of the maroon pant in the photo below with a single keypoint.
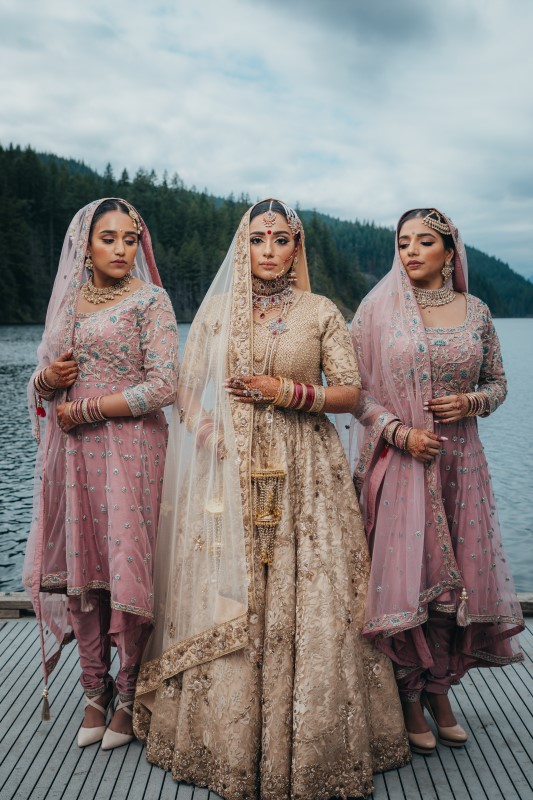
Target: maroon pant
[
  {"x": 433, "y": 646},
  {"x": 91, "y": 629}
]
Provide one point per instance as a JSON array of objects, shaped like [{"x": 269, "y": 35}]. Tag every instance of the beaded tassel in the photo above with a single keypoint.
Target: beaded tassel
[
  {"x": 462, "y": 611},
  {"x": 45, "y": 708},
  {"x": 267, "y": 485}
]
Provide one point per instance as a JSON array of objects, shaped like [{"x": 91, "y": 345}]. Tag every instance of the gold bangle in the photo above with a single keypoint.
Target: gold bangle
[{"x": 319, "y": 401}]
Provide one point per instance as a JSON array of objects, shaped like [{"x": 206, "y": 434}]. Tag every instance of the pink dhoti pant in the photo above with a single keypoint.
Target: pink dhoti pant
[
  {"x": 427, "y": 658},
  {"x": 92, "y": 629}
]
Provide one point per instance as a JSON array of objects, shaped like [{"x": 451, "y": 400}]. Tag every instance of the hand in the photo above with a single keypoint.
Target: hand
[
  {"x": 62, "y": 372},
  {"x": 63, "y": 417},
  {"x": 424, "y": 445},
  {"x": 449, "y": 409},
  {"x": 253, "y": 389}
]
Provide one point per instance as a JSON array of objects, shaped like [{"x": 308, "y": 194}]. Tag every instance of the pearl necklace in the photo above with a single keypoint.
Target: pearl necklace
[
  {"x": 433, "y": 297},
  {"x": 95, "y": 295}
]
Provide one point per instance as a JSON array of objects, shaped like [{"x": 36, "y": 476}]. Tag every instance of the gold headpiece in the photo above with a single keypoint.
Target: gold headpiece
[
  {"x": 135, "y": 217},
  {"x": 436, "y": 221},
  {"x": 269, "y": 217},
  {"x": 293, "y": 221}
]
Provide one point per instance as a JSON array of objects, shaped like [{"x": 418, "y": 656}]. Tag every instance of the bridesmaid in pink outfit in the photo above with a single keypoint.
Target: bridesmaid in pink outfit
[
  {"x": 107, "y": 365},
  {"x": 441, "y": 598}
]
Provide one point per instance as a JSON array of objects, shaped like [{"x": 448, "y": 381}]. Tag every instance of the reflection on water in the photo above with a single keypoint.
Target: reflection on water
[{"x": 505, "y": 435}]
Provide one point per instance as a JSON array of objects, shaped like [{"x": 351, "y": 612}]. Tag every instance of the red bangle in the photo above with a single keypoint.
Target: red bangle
[
  {"x": 297, "y": 396},
  {"x": 310, "y": 399}
]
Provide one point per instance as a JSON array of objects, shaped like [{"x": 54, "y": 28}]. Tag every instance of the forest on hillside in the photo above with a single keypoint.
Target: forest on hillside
[{"x": 191, "y": 232}]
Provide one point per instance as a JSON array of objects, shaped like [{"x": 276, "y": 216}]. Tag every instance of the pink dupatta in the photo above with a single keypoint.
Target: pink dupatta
[{"x": 393, "y": 355}]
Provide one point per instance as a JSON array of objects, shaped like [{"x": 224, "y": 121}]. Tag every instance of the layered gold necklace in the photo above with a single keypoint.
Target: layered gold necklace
[
  {"x": 433, "y": 297},
  {"x": 94, "y": 295}
]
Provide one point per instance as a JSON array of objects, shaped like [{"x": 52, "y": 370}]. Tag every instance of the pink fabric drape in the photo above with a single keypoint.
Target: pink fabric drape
[{"x": 413, "y": 557}]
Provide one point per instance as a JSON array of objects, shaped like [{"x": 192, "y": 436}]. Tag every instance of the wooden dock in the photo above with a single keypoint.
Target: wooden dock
[{"x": 40, "y": 760}]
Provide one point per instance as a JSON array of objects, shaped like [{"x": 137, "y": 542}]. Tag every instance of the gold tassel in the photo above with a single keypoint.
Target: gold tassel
[
  {"x": 462, "y": 611},
  {"x": 268, "y": 484},
  {"x": 45, "y": 708}
]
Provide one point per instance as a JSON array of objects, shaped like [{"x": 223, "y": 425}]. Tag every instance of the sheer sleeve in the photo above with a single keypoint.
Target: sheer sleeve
[
  {"x": 492, "y": 381},
  {"x": 159, "y": 344},
  {"x": 339, "y": 364},
  {"x": 370, "y": 412}
]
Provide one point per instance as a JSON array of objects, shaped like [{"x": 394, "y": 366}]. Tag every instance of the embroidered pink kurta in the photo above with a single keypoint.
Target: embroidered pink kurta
[
  {"x": 102, "y": 533},
  {"x": 462, "y": 359}
]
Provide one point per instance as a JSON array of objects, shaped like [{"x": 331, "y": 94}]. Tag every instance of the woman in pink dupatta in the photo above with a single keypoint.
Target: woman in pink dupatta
[
  {"x": 107, "y": 363},
  {"x": 441, "y": 599}
]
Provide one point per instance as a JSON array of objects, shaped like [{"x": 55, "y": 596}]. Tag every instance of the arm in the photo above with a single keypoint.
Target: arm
[
  {"x": 492, "y": 381},
  {"x": 339, "y": 363},
  {"x": 159, "y": 344},
  {"x": 491, "y": 388}
]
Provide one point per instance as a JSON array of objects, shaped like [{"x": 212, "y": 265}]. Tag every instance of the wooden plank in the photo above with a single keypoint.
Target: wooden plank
[
  {"x": 496, "y": 779},
  {"x": 17, "y": 633},
  {"x": 509, "y": 734},
  {"x": 199, "y": 794},
  {"x": 133, "y": 777},
  {"x": 10, "y": 613},
  {"x": 80, "y": 765},
  {"x": 408, "y": 783},
  {"x": 24, "y": 663},
  {"x": 492, "y": 704},
  {"x": 473, "y": 756},
  {"x": 154, "y": 784},
  {"x": 526, "y": 602},
  {"x": 18, "y": 601},
  {"x": 185, "y": 791},
  {"x": 28, "y": 734}
]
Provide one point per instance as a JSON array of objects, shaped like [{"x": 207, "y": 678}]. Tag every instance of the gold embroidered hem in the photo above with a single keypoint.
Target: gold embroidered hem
[{"x": 214, "y": 643}]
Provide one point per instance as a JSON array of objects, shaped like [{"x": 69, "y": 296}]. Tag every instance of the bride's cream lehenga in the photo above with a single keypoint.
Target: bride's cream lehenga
[{"x": 272, "y": 693}]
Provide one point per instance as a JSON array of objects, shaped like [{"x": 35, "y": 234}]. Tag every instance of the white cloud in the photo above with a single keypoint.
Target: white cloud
[{"x": 358, "y": 109}]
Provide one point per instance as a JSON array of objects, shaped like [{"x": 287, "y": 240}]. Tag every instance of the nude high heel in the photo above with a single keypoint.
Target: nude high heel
[
  {"x": 87, "y": 736},
  {"x": 449, "y": 735},
  {"x": 112, "y": 739}
]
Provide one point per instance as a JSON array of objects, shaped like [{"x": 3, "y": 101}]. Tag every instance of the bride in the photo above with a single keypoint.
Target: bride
[{"x": 257, "y": 682}]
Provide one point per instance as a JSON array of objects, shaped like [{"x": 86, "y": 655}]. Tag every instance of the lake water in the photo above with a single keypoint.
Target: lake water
[{"x": 506, "y": 436}]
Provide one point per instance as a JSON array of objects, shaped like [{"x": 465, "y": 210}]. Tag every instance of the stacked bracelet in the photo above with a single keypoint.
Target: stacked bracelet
[
  {"x": 86, "y": 409},
  {"x": 42, "y": 387},
  {"x": 300, "y": 396},
  {"x": 396, "y": 434},
  {"x": 401, "y": 434},
  {"x": 478, "y": 404},
  {"x": 389, "y": 431}
]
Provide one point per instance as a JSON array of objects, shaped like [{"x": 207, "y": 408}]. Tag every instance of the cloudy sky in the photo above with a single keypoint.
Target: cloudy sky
[{"x": 359, "y": 108}]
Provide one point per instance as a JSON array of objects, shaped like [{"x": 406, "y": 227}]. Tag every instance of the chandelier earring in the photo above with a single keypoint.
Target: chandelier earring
[
  {"x": 447, "y": 270},
  {"x": 89, "y": 266},
  {"x": 291, "y": 274}
]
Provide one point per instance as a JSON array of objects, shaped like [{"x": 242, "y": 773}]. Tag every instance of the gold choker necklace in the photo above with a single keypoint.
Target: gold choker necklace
[
  {"x": 433, "y": 297},
  {"x": 94, "y": 295}
]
